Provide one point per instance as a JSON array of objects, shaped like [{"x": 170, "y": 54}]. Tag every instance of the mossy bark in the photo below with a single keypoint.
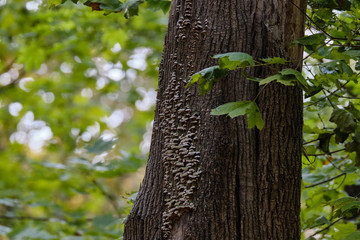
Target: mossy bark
[{"x": 210, "y": 177}]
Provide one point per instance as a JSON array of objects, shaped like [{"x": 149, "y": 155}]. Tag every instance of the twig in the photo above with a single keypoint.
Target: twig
[
  {"x": 327, "y": 97},
  {"x": 316, "y": 50},
  {"x": 330, "y": 94},
  {"x": 336, "y": 95},
  {"x": 329, "y": 153},
  {"x": 314, "y": 140},
  {"x": 306, "y": 156},
  {"x": 321, "y": 230},
  {"x": 325, "y": 181},
  {"x": 260, "y": 92},
  {"x": 341, "y": 182},
  {"x": 308, "y": 17},
  {"x": 109, "y": 196}
]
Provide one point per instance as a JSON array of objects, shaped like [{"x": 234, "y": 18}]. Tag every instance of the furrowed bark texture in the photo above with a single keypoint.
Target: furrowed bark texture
[{"x": 210, "y": 177}]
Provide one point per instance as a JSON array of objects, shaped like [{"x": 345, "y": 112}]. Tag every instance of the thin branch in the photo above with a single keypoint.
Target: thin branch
[
  {"x": 307, "y": 157},
  {"x": 329, "y": 153},
  {"x": 311, "y": 141},
  {"x": 325, "y": 181},
  {"x": 327, "y": 97},
  {"x": 260, "y": 92},
  {"x": 330, "y": 94},
  {"x": 321, "y": 230},
  {"x": 336, "y": 95},
  {"x": 316, "y": 50},
  {"x": 110, "y": 197},
  {"x": 342, "y": 181},
  {"x": 344, "y": 39},
  {"x": 308, "y": 17}
]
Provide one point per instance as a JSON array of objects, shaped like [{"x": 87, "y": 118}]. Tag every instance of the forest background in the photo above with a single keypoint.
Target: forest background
[{"x": 77, "y": 94}]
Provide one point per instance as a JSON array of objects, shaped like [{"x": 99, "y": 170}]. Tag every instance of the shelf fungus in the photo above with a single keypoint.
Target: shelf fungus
[{"x": 180, "y": 158}]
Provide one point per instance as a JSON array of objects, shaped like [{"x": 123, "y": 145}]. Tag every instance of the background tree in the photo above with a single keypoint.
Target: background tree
[{"x": 211, "y": 177}]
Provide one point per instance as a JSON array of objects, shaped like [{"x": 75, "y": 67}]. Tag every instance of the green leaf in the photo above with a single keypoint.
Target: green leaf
[
  {"x": 339, "y": 203},
  {"x": 324, "y": 141},
  {"x": 254, "y": 117},
  {"x": 352, "y": 236},
  {"x": 352, "y": 53},
  {"x": 100, "y": 146},
  {"x": 270, "y": 79},
  {"x": 312, "y": 90},
  {"x": 343, "y": 67},
  {"x": 312, "y": 41},
  {"x": 344, "y": 120},
  {"x": 241, "y": 109},
  {"x": 235, "y": 109},
  {"x": 313, "y": 178},
  {"x": 230, "y": 107},
  {"x": 344, "y": 229},
  {"x": 352, "y": 146},
  {"x": 54, "y": 3},
  {"x": 297, "y": 75},
  {"x": 233, "y": 60},
  {"x": 131, "y": 8},
  {"x": 286, "y": 77},
  {"x": 108, "y": 5},
  {"x": 275, "y": 60},
  {"x": 354, "y": 109},
  {"x": 340, "y": 137},
  {"x": 164, "y": 5},
  {"x": 206, "y": 78},
  {"x": 317, "y": 38},
  {"x": 350, "y": 206},
  {"x": 320, "y": 221}
]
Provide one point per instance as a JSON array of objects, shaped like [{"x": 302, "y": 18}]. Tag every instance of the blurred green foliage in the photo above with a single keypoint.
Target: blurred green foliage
[
  {"x": 77, "y": 93},
  {"x": 76, "y": 105}
]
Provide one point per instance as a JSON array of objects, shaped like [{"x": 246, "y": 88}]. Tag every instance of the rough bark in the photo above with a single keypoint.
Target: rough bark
[{"x": 210, "y": 177}]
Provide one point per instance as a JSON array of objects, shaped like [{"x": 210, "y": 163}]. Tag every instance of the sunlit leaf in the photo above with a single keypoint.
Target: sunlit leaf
[
  {"x": 235, "y": 109},
  {"x": 206, "y": 78},
  {"x": 233, "y": 60}
]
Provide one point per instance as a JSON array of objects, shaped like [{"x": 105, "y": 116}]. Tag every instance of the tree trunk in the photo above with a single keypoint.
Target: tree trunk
[{"x": 210, "y": 177}]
